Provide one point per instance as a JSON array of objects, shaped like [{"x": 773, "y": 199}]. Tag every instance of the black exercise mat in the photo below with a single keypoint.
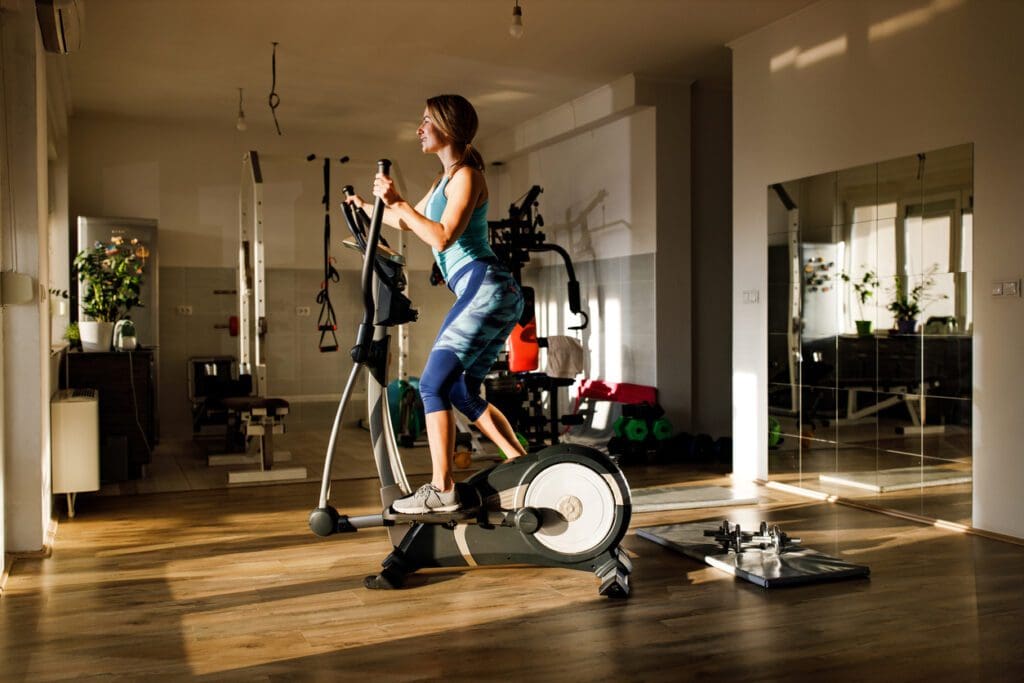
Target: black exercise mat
[{"x": 766, "y": 568}]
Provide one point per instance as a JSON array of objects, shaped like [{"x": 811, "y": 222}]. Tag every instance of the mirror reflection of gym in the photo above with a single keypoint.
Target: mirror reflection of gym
[{"x": 869, "y": 333}]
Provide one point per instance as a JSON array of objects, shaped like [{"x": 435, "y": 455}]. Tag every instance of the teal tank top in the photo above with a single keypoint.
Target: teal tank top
[{"x": 471, "y": 245}]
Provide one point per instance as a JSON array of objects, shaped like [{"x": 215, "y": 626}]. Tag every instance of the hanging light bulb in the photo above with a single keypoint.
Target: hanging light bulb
[
  {"x": 516, "y": 29},
  {"x": 240, "y": 124}
]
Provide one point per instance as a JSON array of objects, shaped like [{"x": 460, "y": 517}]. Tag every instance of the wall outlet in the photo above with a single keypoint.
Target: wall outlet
[
  {"x": 184, "y": 309},
  {"x": 1006, "y": 288},
  {"x": 751, "y": 296},
  {"x": 302, "y": 311}
]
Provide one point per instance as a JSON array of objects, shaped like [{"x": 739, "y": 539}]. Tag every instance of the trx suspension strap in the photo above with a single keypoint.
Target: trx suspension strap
[{"x": 327, "y": 321}]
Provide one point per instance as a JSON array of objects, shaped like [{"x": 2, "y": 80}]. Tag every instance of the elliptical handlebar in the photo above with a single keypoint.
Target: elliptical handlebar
[
  {"x": 354, "y": 217},
  {"x": 388, "y": 308},
  {"x": 361, "y": 351}
]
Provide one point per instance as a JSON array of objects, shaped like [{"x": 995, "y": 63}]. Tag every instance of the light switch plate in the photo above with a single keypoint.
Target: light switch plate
[{"x": 16, "y": 288}]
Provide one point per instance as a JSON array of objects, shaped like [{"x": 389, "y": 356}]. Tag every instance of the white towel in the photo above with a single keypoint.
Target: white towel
[{"x": 565, "y": 357}]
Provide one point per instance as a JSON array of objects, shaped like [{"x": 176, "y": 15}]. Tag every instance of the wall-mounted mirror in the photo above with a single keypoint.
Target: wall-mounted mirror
[{"x": 869, "y": 332}]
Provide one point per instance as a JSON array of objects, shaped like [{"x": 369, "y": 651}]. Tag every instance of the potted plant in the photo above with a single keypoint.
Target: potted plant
[
  {"x": 73, "y": 337},
  {"x": 907, "y": 304},
  {"x": 864, "y": 288},
  {"x": 112, "y": 278}
]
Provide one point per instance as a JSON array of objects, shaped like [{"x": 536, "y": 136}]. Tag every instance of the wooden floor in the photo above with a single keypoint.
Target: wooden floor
[
  {"x": 231, "y": 585},
  {"x": 181, "y": 464}
]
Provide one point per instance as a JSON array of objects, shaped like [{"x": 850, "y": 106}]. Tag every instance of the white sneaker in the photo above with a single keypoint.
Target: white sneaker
[{"x": 427, "y": 499}]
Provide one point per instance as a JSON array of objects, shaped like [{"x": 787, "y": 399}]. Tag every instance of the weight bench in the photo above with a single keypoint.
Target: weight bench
[
  {"x": 257, "y": 417},
  {"x": 913, "y": 396}
]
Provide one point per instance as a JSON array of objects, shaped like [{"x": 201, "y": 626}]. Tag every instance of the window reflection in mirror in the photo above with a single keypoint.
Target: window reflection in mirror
[{"x": 869, "y": 341}]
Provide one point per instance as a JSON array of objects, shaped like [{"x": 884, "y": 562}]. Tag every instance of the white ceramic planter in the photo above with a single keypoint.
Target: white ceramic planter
[{"x": 96, "y": 336}]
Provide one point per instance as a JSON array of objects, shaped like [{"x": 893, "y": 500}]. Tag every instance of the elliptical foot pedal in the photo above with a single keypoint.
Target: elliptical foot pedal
[
  {"x": 469, "y": 513},
  {"x": 460, "y": 516}
]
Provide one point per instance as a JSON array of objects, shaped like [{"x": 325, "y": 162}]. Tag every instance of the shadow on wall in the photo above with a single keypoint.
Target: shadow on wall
[{"x": 617, "y": 295}]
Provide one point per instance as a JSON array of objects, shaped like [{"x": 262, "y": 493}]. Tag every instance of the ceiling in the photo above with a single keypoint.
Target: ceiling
[{"x": 364, "y": 67}]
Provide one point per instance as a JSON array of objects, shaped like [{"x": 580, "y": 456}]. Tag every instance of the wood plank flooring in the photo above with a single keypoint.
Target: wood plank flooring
[
  {"x": 180, "y": 464},
  {"x": 231, "y": 585}
]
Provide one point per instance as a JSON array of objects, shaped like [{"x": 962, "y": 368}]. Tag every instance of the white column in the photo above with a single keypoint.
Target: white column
[{"x": 26, "y": 327}]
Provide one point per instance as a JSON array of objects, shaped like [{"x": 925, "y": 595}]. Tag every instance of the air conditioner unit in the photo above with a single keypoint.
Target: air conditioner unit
[
  {"x": 75, "y": 442},
  {"x": 60, "y": 22}
]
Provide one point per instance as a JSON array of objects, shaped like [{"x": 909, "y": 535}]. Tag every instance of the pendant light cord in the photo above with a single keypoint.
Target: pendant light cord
[{"x": 274, "y": 100}]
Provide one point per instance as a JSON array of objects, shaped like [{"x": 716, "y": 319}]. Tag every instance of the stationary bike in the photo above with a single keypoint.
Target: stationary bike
[{"x": 564, "y": 506}]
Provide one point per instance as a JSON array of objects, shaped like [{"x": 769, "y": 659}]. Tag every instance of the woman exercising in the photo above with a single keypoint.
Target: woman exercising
[{"x": 452, "y": 220}]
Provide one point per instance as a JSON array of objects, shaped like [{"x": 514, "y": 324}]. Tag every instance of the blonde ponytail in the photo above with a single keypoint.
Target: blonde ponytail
[{"x": 471, "y": 157}]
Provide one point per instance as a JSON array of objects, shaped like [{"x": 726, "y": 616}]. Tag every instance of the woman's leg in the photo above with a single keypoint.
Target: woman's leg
[
  {"x": 443, "y": 371},
  {"x": 465, "y": 396},
  {"x": 495, "y": 426},
  {"x": 441, "y": 436},
  {"x": 489, "y": 419}
]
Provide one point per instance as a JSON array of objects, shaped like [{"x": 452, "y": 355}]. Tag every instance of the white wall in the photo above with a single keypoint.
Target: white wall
[
  {"x": 615, "y": 168},
  {"x": 187, "y": 177},
  {"x": 841, "y": 84},
  {"x": 599, "y": 205},
  {"x": 594, "y": 157},
  {"x": 26, "y": 326}
]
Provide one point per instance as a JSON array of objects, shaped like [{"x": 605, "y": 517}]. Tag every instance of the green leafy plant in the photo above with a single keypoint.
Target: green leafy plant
[
  {"x": 907, "y": 304},
  {"x": 73, "y": 336},
  {"x": 864, "y": 288},
  {"x": 112, "y": 274}
]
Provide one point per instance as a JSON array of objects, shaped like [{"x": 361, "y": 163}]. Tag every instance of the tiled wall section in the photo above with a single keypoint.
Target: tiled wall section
[
  {"x": 618, "y": 295},
  {"x": 295, "y": 365}
]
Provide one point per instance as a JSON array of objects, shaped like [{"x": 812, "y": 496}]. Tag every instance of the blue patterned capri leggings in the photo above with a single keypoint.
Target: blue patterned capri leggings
[{"x": 487, "y": 306}]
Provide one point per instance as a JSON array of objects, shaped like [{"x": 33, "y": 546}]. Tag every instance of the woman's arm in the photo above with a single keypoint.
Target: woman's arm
[
  {"x": 463, "y": 191},
  {"x": 390, "y": 218}
]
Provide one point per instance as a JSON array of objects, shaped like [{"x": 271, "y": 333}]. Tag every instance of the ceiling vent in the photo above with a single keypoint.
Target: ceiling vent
[{"x": 60, "y": 22}]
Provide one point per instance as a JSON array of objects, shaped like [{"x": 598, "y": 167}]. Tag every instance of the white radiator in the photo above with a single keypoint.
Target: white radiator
[{"x": 75, "y": 437}]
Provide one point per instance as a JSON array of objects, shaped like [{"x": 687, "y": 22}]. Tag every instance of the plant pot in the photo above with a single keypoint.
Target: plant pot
[
  {"x": 906, "y": 325},
  {"x": 96, "y": 336},
  {"x": 863, "y": 328}
]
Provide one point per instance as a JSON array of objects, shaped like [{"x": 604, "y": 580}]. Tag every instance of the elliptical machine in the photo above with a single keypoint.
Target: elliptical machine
[{"x": 564, "y": 506}]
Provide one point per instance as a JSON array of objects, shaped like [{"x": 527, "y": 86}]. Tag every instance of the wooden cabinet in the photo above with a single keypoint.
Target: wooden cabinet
[{"x": 126, "y": 383}]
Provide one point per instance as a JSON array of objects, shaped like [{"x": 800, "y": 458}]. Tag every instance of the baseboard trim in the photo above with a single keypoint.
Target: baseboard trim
[
  {"x": 43, "y": 553},
  {"x": 8, "y": 563}
]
